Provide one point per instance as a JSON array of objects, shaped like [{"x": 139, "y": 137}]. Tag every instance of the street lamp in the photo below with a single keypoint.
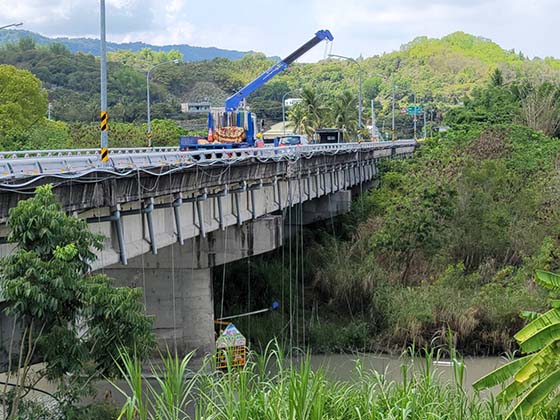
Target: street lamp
[
  {"x": 393, "y": 112},
  {"x": 11, "y": 25},
  {"x": 284, "y": 109},
  {"x": 149, "y": 131},
  {"x": 360, "y": 91}
]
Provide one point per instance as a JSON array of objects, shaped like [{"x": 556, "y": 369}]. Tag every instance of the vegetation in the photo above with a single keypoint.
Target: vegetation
[
  {"x": 22, "y": 102},
  {"x": 536, "y": 377},
  {"x": 68, "y": 318},
  {"x": 442, "y": 73},
  {"x": 92, "y": 46},
  {"x": 449, "y": 239},
  {"x": 272, "y": 387}
]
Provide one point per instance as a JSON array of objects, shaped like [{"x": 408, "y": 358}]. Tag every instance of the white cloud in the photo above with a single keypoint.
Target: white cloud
[{"x": 278, "y": 27}]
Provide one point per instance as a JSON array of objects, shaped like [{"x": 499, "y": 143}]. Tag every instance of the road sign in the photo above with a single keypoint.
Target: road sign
[{"x": 411, "y": 110}]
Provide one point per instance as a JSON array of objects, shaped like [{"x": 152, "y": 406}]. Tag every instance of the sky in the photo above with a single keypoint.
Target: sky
[{"x": 360, "y": 27}]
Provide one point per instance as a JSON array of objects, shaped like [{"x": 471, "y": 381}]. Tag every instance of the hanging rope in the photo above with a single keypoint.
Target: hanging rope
[
  {"x": 193, "y": 240},
  {"x": 249, "y": 294},
  {"x": 225, "y": 257},
  {"x": 289, "y": 206},
  {"x": 296, "y": 276},
  {"x": 173, "y": 246},
  {"x": 99, "y": 222},
  {"x": 302, "y": 277},
  {"x": 140, "y": 205}
]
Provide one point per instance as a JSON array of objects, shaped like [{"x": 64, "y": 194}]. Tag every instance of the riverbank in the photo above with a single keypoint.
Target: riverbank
[
  {"x": 272, "y": 387},
  {"x": 448, "y": 241}
]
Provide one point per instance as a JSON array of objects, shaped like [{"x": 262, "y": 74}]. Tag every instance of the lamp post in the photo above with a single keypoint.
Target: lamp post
[
  {"x": 415, "y": 117},
  {"x": 104, "y": 116},
  {"x": 393, "y": 113},
  {"x": 360, "y": 90},
  {"x": 149, "y": 130},
  {"x": 284, "y": 112}
]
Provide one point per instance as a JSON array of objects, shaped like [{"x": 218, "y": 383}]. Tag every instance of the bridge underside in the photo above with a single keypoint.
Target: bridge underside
[
  {"x": 177, "y": 282},
  {"x": 165, "y": 232}
]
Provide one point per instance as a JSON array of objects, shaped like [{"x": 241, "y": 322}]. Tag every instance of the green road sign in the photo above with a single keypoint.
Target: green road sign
[{"x": 411, "y": 110}]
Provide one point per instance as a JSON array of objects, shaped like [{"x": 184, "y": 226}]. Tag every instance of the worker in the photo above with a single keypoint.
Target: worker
[{"x": 260, "y": 142}]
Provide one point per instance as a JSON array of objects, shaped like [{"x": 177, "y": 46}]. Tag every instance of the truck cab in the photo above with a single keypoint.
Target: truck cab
[{"x": 293, "y": 140}]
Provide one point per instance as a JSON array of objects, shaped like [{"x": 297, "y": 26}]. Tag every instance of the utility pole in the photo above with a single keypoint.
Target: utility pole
[
  {"x": 431, "y": 122},
  {"x": 374, "y": 130},
  {"x": 359, "y": 102},
  {"x": 372, "y": 120},
  {"x": 424, "y": 128},
  {"x": 393, "y": 115},
  {"x": 284, "y": 113},
  {"x": 49, "y": 111},
  {"x": 415, "y": 116},
  {"x": 104, "y": 116}
]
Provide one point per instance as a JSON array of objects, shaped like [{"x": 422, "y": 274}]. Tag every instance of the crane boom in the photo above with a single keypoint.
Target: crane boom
[{"x": 232, "y": 103}]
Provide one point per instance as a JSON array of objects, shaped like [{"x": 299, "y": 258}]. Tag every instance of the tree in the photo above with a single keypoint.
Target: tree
[
  {"x": 497, "y": 78},
  {"x": 71, "y": 319},
  {"x": 312, "y": 112},
  {"x": 22, "y": 100},
  {"x": 414, "y": 222},
  {"x": 296, "y": 115},
  {"x": 540, "y": 109},
  {"x": 489, "y": 105},
  {"x": 536, "y": 376},
  {"x": 345, "y": 114}
]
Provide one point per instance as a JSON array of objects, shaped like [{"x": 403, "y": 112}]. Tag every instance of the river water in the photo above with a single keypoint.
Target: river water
[{"x": 342, "y": 367}]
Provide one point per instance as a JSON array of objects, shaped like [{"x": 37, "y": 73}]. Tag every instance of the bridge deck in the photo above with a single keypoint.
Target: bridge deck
[{"x": 79, "y": 162}]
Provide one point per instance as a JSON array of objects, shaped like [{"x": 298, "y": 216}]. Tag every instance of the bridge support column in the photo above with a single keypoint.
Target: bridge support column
[
  {"x": 177, "y": 281},
  {"x": 180, "y": 299}
]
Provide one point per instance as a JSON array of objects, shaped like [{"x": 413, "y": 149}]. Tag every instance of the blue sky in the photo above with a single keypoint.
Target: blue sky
[{"x": 364, "y": 27}]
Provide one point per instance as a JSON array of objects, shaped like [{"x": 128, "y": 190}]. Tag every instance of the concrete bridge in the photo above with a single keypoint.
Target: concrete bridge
[{"x": 169, "y": 217}]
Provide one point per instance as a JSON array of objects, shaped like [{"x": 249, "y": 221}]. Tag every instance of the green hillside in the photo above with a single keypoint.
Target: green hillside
[
  {"x": 92, "y": 46},
  {"x": 441, "y": 72}
]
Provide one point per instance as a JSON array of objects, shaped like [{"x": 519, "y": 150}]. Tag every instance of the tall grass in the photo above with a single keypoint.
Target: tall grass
[{"x": 273, "y": 387}]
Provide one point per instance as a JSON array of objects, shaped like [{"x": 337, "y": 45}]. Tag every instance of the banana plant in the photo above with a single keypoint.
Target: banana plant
[{"x": 532, "y": 382}]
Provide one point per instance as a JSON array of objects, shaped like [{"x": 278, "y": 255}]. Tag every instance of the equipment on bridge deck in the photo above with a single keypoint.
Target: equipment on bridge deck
[
  {"x": 232, "y": 103},
  {"x": 330, "y": 135},
  {"x": 220, "y": 122}
]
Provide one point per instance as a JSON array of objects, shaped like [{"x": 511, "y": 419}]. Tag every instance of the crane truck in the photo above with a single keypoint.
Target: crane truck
[{"x": 237, "y": 128}]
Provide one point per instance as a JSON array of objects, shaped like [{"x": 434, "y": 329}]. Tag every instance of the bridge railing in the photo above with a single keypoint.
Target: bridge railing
[{"x": 72, "y": 162}]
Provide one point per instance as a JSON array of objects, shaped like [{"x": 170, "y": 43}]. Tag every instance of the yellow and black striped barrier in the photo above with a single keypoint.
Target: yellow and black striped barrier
[
  {"x": 104, "y": 154},
  {"x": 104, "y": 121}
]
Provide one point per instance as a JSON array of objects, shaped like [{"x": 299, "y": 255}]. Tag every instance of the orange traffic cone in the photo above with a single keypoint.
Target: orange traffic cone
[{"x": 210, "y": 135}]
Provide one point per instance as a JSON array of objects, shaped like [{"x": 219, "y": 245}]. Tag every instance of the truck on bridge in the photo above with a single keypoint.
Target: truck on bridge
[{"x": 237, "y": 128}]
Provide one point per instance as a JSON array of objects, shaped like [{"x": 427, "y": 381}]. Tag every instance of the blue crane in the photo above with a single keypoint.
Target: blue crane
[{"x": 232, "y": 103}]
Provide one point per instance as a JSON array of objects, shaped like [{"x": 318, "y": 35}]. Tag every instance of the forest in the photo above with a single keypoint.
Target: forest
[
  {"x": 441, "y": 73},
  {"x": 449, "y": 240}
]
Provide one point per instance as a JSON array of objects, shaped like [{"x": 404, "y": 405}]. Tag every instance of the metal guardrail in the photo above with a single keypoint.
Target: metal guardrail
[{"x": 32, "y": 163}]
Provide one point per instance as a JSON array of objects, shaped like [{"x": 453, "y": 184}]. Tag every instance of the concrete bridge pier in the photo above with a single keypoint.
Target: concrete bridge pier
[{"x": 177, "y": 282}]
